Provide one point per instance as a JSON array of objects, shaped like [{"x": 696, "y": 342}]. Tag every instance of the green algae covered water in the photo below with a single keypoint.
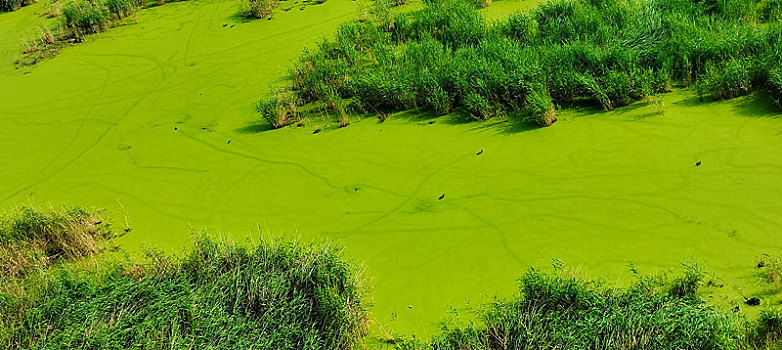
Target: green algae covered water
[{"x": 156, "y": 122}]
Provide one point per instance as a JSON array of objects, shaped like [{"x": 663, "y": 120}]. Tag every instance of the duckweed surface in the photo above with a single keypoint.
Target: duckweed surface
[{"x": 157, "y": 120}]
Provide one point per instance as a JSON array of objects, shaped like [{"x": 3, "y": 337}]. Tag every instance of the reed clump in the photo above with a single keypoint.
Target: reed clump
[
  {"x": 562, "y": 311},
  {"x": 280, "y": 110},
  {"x": 217, "y": 296},
  {"x": 612, "y": 53},
  {"x": 259, "y": 8}
]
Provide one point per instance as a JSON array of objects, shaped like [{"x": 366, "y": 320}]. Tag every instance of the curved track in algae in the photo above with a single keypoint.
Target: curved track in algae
[{"x": 139, "y": 120}]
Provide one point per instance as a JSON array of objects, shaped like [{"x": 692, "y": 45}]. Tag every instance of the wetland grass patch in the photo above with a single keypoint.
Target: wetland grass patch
[
  {"x": 560, "y": 311},
  {"x": 33, "y": 239},
  {"x": 612, "y": 53},
  {"x": 217, "y": 296},
  {"x": 77, "y": 19}
]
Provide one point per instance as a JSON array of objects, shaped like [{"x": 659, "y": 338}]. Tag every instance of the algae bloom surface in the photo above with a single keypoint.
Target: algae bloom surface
[{"x": 139, "y": 119}]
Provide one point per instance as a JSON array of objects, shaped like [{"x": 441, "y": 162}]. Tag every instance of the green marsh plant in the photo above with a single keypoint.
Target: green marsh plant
[
  {"x": 446, "y": 56},
  {"x": 563, "y": 311},
  {"x": 218, "y": 296}
]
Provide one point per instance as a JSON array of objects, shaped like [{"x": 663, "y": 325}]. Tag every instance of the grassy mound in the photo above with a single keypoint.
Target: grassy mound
[
  {"x": 35, "y": 238},
  {"x": 218, "y": 296},
  {"x": 612, "y": 53},
  {"x": 563, "y": 312}
]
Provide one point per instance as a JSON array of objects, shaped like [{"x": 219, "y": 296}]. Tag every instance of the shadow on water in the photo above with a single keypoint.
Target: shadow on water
[
  {"x": 754, "y": 105},
  {"x": 254, "y": 128},
  {"x": 691, "y": 101},
  {"x": 510, "y": 125},
  {"x": 759, "y": 105}
]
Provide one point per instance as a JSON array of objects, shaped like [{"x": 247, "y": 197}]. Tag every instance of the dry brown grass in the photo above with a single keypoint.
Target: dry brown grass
[
  {"x": 280, "y": 110},
  {"x": 53, "y": 9},
  {"x": 30, "y": 47},
  {"x": 772, "y": 272},
  {"x": 550, "y": 117},
  {"x": 46, "y": 37},
  {"x": 32, "y": 238},
  {"x": 260, "y": 8},
  {"x": 483, "y": 3}
]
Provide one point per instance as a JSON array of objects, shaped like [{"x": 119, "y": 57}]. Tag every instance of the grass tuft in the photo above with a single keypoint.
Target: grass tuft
[
  {"x": 33, "y": 238},
  {"x": 259, "y": 8}
]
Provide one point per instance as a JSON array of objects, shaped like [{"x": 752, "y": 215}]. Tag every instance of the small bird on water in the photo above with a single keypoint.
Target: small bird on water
[
  {"x": 441, "y": 197},
  {"x": 316, "y": 131},
  {"x": 698, "y": 163},
  {"x": 479, "y": 153}
]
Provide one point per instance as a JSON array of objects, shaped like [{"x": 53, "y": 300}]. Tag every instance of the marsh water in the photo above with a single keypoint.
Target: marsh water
[{"x": 155, "y": 121}]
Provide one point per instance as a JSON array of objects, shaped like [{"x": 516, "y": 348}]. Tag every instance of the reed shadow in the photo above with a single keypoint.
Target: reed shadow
[{"x": 254, "y": 128}]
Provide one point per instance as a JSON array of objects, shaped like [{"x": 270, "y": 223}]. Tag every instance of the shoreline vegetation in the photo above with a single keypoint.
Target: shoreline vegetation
[
  {"x": 77, "y": 19},
  {"x": 276, "y": 295},
  {"x": 218, "y": 295},
  {"x": 13, "y": 5},
  {"x": 447, "y": 57},
  {"x": 36, "y": 238},
  {"x": 563, "y": 311}
]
